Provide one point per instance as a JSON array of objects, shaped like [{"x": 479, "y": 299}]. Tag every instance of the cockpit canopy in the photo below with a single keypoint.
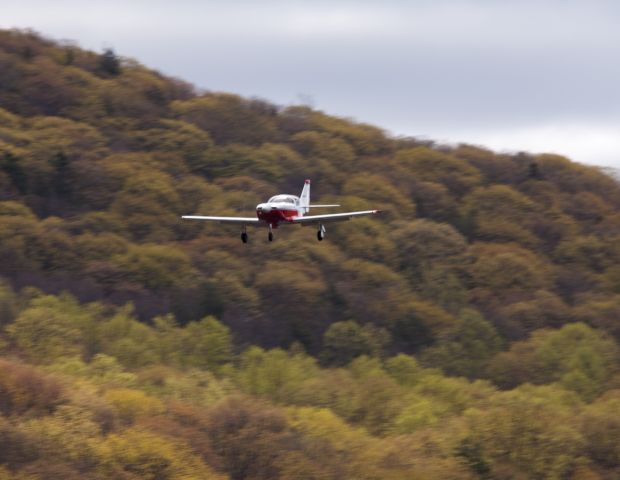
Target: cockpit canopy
[{"x": 292, "y": 199}]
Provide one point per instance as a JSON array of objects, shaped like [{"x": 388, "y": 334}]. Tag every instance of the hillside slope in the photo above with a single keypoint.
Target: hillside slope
[{"x": 503, "y": 269}]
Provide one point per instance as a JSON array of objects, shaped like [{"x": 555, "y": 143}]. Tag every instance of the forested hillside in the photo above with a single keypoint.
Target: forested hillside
[{"x": 470, "y": 331}]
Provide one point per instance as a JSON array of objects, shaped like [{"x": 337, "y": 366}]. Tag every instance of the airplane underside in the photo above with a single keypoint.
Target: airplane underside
[{"x": 320, "y": 234}]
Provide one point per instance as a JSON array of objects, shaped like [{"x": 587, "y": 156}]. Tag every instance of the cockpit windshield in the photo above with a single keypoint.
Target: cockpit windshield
[{"x": 283, "y": 199}]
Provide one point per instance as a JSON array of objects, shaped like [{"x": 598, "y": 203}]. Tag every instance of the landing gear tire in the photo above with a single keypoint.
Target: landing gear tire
[
  {"x": 270, "y": 236},
  {"x": 244, "y": 237},
  {"x": 320, "y": 236}
]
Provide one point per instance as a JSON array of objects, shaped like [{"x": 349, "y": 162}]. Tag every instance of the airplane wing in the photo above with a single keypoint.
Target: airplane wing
[
  {"x": 332, "y": 217},
  {"x": 252, "y": 221}
]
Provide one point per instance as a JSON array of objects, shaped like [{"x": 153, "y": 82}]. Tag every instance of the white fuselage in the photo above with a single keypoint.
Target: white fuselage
[{"x": 281, "y": 208}]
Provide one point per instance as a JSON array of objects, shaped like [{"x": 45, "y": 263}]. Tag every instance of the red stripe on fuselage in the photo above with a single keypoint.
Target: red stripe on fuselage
[{"x": 276, "y": 216}]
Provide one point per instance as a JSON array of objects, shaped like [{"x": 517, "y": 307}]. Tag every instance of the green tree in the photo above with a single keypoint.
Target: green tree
[
  {"x": 438, "y": 167},
  {"x": 355, "y": 277},
  {"x": 157, "y": 267},
  {"x": 519, "y": 434},
  {"x": 601, "y": 313},
  {"x": 276, "y": 374},
  {"x": 601, "y": 429},
  {"x": 576, "y": 356},
  {"x": 204, "y": 344},
  {"x": 132, "y": 404},
  {"x": 419, "y": 323},
  {"x": 191, "y": 142},
  {"x": 228, "y": 118},
  {"x": 138, "y": 454},
  {"x": 467, "y": 349},
  {"x": 344, "y": 341},
  {"x": 51, "y": 327},
  {"x": 304, "y": 286},
  {"x": 133, "y": 343},
  {"x": 545, "y": 310},
  {"x": 19, "y": 234},
  {"x": 499, "y": 213},
  {"x": 404, "y": 369},
  {"x": 380, "y": 193},
  {"x": 502, "y": 272},
  {"x": 432, "y": 255}
]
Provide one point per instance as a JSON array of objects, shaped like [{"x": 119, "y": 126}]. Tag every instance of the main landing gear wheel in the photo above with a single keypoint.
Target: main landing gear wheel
[
  {"x": 244, "y": 237},
  {"x": 320, "y": 235},
  {"x": 270, "y": 236}
]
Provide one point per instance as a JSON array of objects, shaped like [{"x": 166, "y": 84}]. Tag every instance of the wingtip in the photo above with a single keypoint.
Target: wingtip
[{"x": 307, "y": 182}]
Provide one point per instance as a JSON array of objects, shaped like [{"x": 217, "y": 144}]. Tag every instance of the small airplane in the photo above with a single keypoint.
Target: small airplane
[{"x": 286, "y": 209}]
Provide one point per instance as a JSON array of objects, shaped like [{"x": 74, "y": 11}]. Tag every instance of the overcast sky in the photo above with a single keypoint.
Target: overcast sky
[{"x": 510, "y": 75}]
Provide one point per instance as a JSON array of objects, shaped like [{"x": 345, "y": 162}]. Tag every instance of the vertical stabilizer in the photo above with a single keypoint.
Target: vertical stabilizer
[{"x": 304, "y": 198}]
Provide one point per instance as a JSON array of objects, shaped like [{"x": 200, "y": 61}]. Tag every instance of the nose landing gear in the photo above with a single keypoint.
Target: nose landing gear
[{"x": 270, "y": 235}]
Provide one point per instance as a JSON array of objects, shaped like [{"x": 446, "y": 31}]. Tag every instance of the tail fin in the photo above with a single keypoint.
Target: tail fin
[{"x": 304, "y": 198}]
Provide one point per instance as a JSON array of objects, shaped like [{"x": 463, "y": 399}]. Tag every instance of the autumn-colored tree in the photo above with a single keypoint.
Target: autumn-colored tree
[
  {"x": 138, "y": 454},
  {"x": 245, "y": 435},
  {"x": 23, "y": 389}
]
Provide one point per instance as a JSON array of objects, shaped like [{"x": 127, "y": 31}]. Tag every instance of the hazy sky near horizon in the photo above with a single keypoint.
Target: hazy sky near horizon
[{"x": 522, "y": 75}]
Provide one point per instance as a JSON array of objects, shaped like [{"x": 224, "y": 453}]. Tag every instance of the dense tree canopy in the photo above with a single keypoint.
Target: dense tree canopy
[{"x": 471, "y": 331}]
